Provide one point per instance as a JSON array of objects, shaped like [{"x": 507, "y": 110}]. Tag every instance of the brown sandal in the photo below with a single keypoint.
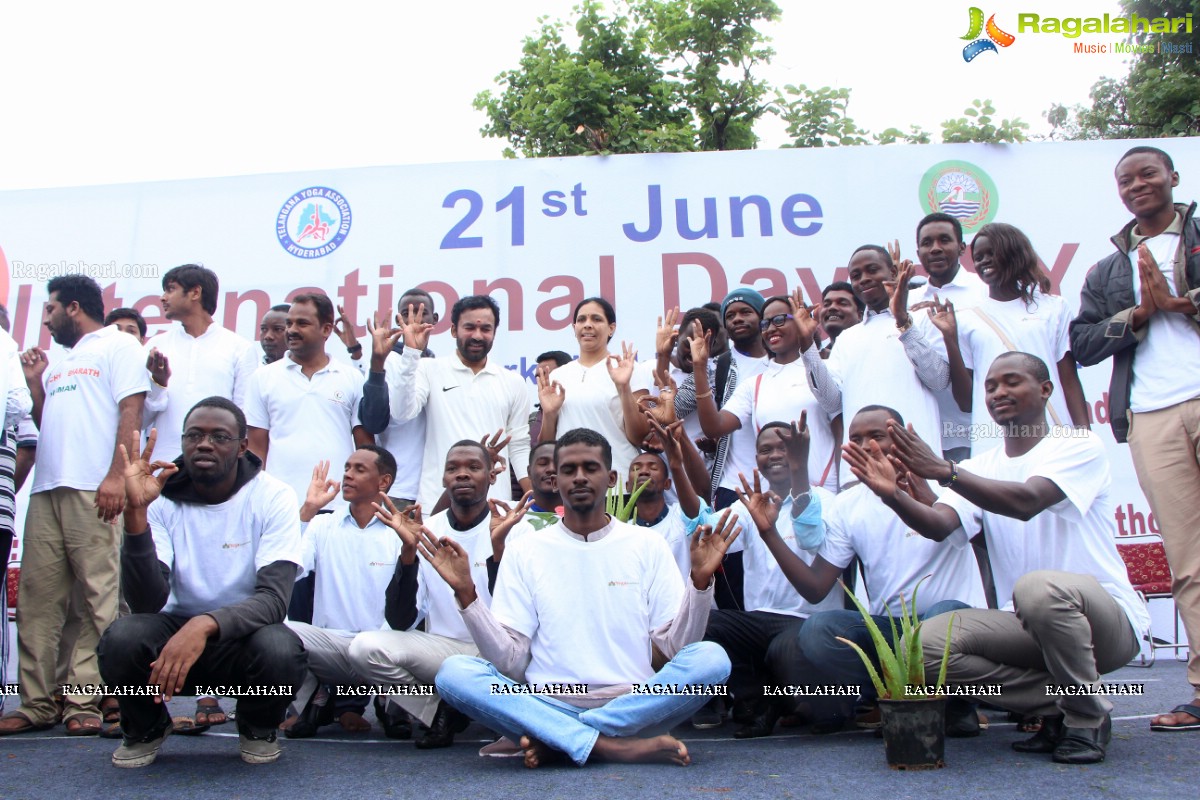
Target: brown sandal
[{"x": 83, "y": 725}]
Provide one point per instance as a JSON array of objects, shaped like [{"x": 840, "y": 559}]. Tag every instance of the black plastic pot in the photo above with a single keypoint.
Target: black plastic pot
[{"x": 914, "y": 733}]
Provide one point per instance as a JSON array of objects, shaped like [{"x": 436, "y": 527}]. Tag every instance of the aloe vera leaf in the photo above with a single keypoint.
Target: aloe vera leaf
[
  {"x": 941, "y": 678},
  {"x": 880, "y": 688},
  {"x": 892, "y": 675}
]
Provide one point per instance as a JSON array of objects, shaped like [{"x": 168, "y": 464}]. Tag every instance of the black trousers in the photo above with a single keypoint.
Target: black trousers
[
  {"x": 270, "y": 657},
  {"x": 747, "y": 637}
]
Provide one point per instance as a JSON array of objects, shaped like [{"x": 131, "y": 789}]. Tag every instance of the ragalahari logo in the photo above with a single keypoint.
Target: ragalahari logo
[{"x": 995, "y": 36}]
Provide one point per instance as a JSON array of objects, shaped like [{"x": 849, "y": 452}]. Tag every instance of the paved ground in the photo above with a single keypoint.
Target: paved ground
[{"x": 1141, "y": 764}]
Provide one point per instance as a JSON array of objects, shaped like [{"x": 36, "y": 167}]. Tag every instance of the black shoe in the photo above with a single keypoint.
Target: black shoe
[
  {"x": 395, "y": 726},
  {"x": 743, "y": 711},
  {"x": 1084, "y": 745},
  {"x": 709, "y": 716},
  {"x": 311, "y": 718},
  {"x": 446, "y": 723},
  {"x": 761, "y": 724},
  {"x": 962, "y": 720},
  {"x": 1045, "y": 740}
]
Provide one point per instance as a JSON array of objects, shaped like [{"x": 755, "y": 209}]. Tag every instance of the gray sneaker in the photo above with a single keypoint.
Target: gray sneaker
[
  {"x": 259, "y": 750},
  {"x": 133, "y": 754}
]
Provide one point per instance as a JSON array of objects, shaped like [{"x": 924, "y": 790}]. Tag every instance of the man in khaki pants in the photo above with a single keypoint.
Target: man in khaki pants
[
  {"x": 83, "y": 405},
  {"x": 1139, "y": 306}
]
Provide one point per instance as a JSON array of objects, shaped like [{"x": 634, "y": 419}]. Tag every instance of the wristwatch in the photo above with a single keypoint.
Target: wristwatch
[{"x": 944, "y": 483}]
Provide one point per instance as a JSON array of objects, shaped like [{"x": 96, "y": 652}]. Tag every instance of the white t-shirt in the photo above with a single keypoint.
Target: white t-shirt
[
  {"x": 966, "y": 290},
  {"x": 766, "y": 587},
  {"x": 214, "y": 551},
  {"x": 588, "y": 607},
  {"x": 354, "y": 567},
  {"x": 673, "y": 528},
  {"x": 309, "y": 419},
  {"x": 1074, "y": 535},
  {"x": 1040, "y": 330},
  {"x": 871, "y": 367},
  {"x": 740, "y": 456},
  {"x": 895, "y": 558},
  {"x": 405, "y": 440},
  {"x": 591, "y": 401},
  {"x": 1159, "y": 379},
  {"x": 779, "y": 394},
  {"x": 435, "y": 598},
  {"x": 80, "y": 414},
  {"x": 218, "y": 363},
  {"x": 17, "y": 400},
  {"x": 749, "y": 366},
  {"x": 460, "y": 404}
]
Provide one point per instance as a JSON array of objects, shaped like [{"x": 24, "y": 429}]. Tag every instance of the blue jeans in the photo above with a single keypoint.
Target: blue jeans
[
  {"x": 837, "y": 663},
  {"x": 465, "y": 682}
]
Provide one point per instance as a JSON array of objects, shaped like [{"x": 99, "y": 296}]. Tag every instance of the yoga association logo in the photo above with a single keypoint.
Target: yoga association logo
[
  {"x": 979, "y": 44},
  {"x": 962, "y": 190},
  {"x": 313, "y": 222}
]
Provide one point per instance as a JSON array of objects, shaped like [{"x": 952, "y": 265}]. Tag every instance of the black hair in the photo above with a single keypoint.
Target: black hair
[
  {"x": 560, "y": 358},
  {"x": 385, "y": 462},
  {"x": 887, "y": 257},
  {"x": 533, "y": 450},
  {"x": 487, "y": 455},
  {"x": 321, "y": 302},
  {"x": 284, "y": 307},
  {"x": 1035, "y": 365},
  {"x": 714, "y": 307},
  {"x": 844, "y": 286},
  {"x": 891, "y": 412},
  {"x": 225, "y": 404},
  {"x": 189, "y": 276},
  {"x": 1014, "y": 259},
  {"x": 585, "y": 436},
  {"x": 127, "y": 313},
  {"x": 473, "y": 302},
  {"x": 1162, "y": 155},
  {"x": 939, "y": 216},
  {"x": 79, "y": 289},
  {"x": 610, "y": 313},
  {"x": 776, "y": 424},
  {"x": 708, "y": 319},
  {"x": 419, "y": 292}
]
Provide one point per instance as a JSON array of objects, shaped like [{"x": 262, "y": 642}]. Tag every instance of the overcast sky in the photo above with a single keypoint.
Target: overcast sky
[{"x": 141, "y": 91}]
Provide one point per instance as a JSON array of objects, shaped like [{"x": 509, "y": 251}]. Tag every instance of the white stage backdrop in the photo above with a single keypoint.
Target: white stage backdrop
[{"x": 647, "y": 232}]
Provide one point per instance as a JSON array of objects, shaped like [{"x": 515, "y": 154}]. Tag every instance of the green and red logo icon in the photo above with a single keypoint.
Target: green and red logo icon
[{"x": 994, "y": 37}]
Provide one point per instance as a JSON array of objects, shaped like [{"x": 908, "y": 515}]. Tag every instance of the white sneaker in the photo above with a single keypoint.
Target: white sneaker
[
  {"x": 139, "y": 754},
  {"x": 259, "y": 751}
]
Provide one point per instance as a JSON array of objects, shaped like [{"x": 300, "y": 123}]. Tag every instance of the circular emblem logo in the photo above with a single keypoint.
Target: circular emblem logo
[
  {"x": 313, "y": 222},
  {"x": 962, "y": 190}
]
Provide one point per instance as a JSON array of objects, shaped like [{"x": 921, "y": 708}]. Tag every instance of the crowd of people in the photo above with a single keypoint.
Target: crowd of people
[{"x": 649, "y": 544}]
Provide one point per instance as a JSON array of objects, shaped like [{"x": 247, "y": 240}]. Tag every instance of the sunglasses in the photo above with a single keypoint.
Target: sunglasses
[{"x": 778, "y": 321}]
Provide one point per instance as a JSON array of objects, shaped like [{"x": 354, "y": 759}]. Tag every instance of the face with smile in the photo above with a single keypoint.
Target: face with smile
[
  {"x": 583, "y": 478},
  {"x": 474, "y": 335},
  {"x": 869, "y": 269},
  {"x": 208, "y": 462},
  {"x": 650, "y": 470},
  {"x": 306, "y": 334},
  {"x": 272, "y": 333},
  {"x": 780, "y": 337},
  {"x": 871, "y": 426},
  {"x": 838, "y": 311},
  {"x": 938, "y": 250},
  {"x": 1144, "y": 184},
  {"x": 592, "y": 328},
  {"x": 541, "y": 471},
  {"x": 361, "y": 479},
  {"x": 771, "y": 457},
  {"x": 467, "y": 475},
  {"x": 1013, "y": 393},
  {"x": 985, "y": 261}
]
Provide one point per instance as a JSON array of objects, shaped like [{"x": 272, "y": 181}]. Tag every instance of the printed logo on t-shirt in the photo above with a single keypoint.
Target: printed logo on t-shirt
[
  {"x": 234, "y": 545},
  {"x": 380, "y": 564},
  {"x": 624, "y": 583}
]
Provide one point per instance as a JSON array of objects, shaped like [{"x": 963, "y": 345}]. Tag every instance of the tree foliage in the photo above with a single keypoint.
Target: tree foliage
[
  {"x": 978, "y": 125},
  {"x": 1160, "y": 96}
]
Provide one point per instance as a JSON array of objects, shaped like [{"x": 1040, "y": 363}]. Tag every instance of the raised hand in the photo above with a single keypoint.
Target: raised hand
[
  {"x": 893, "y": 249},
  {"x": 550, "y": 395},
  {"x": 916, "y": 488},
  {"x": 1152, "y": 281},
  {"x": 802, "y": 318},
  {"x": 416, "y": 330},
  {"x": 763, "y": 506},
  {"x": 915, "y": 454},
  {"x": 343, "y": 326},
  {"x": 662, "y": 407},
  {"x": 698, "y": 343},
  {"x": 33, "y": 364},
  {"x": 708, "y": 548},
  {"x": 158, "y": 366},
  {"x": 321, "y": 491},
  {"x": 450, "y": 560},
  {"x": 142, "y": 486},
  {"x": 667, "y": 332},
  {"x": 899, "y": 301},
  {"x": 668, "y": 436},
  {"x": 620, "y": 368},
  {"x": 407, "y": 523},
  {"x": 503, "y": 519},
  {"x": 942, "y": 316},
  {"x": 495, "y": 447},
  {"x": 383, "y": 336},
  {"x": 797, "y": 437},
  {"x": 872, "y": 467}
]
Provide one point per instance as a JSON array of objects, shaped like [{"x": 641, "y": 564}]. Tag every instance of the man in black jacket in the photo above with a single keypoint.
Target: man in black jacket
[
  {"x": 1146, "y": 316},
  {"x": 210, "y": 553}
]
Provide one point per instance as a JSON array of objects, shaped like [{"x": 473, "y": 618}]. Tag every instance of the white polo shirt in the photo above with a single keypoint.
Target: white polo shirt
[
  {"x": 215, "y": 551},
  {"x": 309, "y": 419},
  {"x": 217, "y": 363},
  {"x": 80, "y": 414},
  {"x": 460, "y": 404},
  {"x": 895, "y": 558},
  {"x": 1074, "y": 535},
  {"x": 591, "y": 401},
  {"x": 354, "y": 567}
]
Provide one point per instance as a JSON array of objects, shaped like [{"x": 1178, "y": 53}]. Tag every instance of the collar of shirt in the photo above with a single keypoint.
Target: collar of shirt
[
  {"x": 1136, "y": 238},
  {"x": 347, "y": 520},
  {"x": 293, "y": 364},
  {"x": 457, "y": 364},
  {"x": 872, "y": 314},
  {"x": 594, "y": 536},
  {"x": 100, "y": 333},
  {"x": 641, "y": 523}
]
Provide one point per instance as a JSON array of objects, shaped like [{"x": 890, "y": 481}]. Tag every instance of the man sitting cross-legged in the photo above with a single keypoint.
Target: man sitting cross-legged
[
  {"x": 1069, "y": 614},
  {"x": 353, "y": 556},
  {"x": 411, "y": 658},
  {"x": 582, "y": 603},
  {"x": 207, "y": 569}
]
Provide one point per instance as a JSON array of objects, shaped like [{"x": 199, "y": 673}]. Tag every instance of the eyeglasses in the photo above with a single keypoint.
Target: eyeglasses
[
  {"x": 778, "y": 321},
  {"x": 219, "y": 439}
]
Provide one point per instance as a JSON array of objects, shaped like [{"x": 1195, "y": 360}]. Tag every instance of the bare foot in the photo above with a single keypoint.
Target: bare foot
[
  {"x": 630, "y": 750},
  {"x": 353, "y": 722},
  {"x": 289, "y": 722},
  {"x": 539, "y": 754},
  {"x": 1180, "y": 720}
]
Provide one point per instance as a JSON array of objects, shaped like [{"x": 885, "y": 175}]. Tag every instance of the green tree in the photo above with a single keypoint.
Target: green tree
[
  {"x": 818, "y": 118},
  {"x": 978, "y": 125},
  {"x": 1160, "y": 96}
]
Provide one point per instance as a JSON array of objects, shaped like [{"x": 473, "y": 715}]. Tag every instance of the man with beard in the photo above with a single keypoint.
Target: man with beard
[
  {"x": 411, "y": 658},
  {"x": 211, "y": 549},
  {"x": 626, "y": 584},
  {"x": 840, "y": 309},
  {"x": 461, "y": 396},
  {"x": 195, "y": 359},
  {"x": 83, "y": 406},
  {"x": 272, "y": 333},
  {"x": 303, "y": 409}
]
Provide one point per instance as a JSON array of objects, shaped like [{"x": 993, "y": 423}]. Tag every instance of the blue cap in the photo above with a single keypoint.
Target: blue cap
[{"x": 747, "y": 296}]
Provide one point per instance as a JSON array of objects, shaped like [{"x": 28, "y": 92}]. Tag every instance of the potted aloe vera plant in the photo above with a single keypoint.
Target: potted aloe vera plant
[
  {"x": 913, "y": 714},
  {"x": 620, "y": 507}
]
